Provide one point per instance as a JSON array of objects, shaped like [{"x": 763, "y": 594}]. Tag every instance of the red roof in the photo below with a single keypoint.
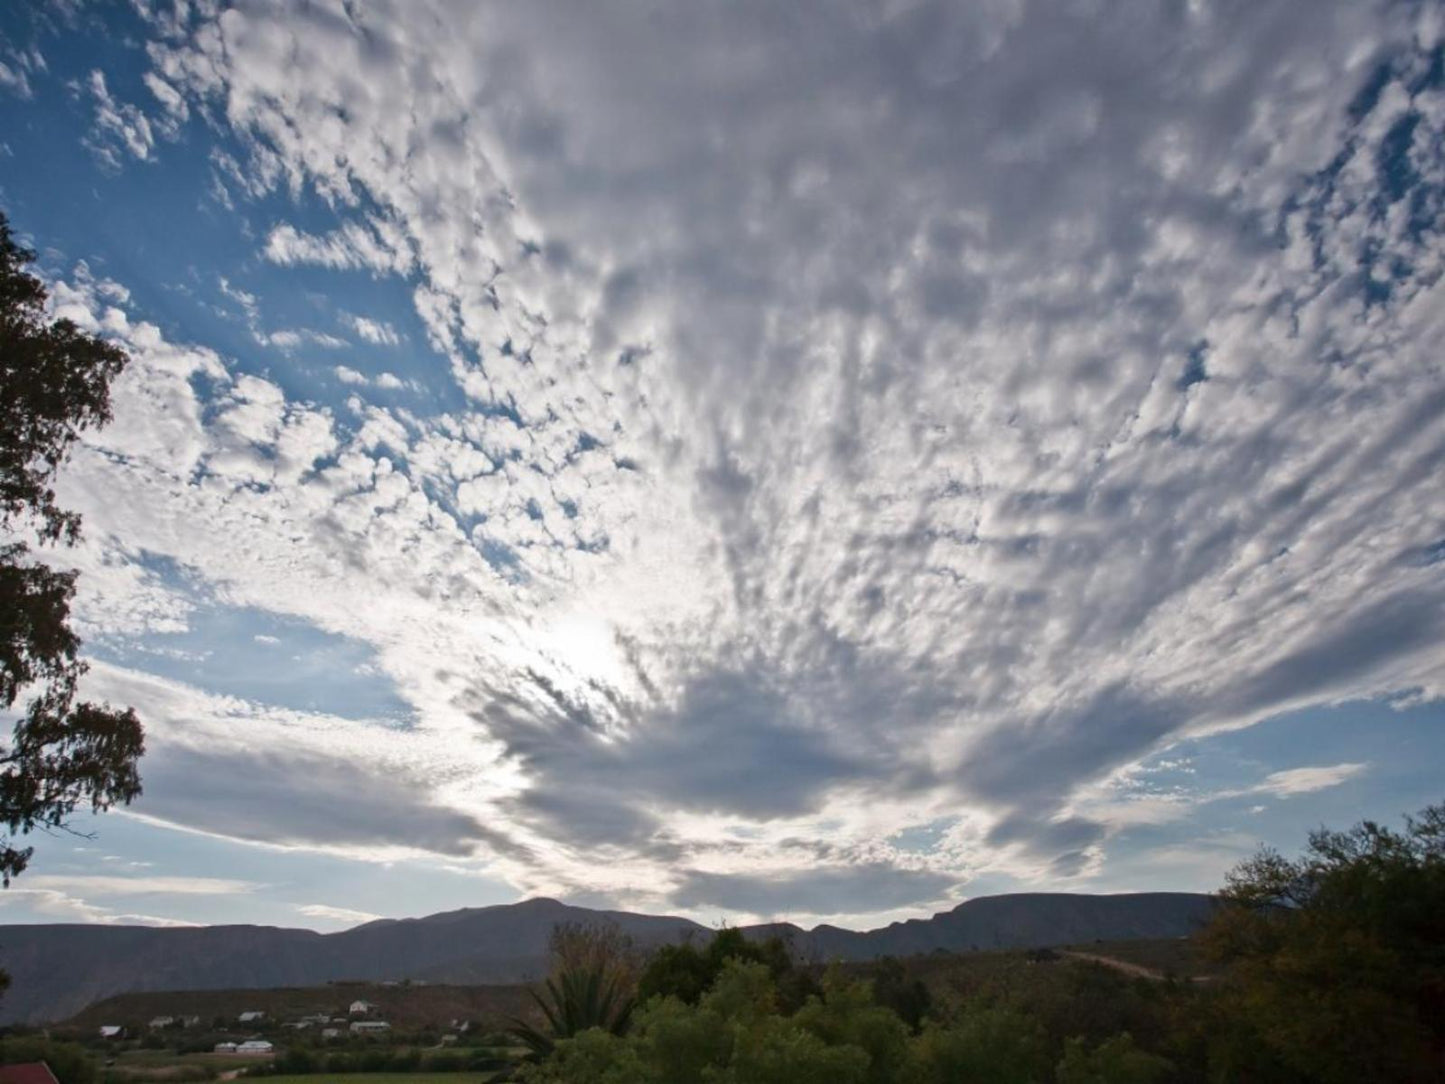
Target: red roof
[{"x": 32, "y": 1072}]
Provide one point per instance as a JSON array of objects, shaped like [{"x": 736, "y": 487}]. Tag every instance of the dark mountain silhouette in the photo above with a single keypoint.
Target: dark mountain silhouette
[{"x": 56, "y": 970}]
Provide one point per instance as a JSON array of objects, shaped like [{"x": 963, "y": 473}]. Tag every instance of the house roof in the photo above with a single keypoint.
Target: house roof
[{"x": 31, "y": 1072}]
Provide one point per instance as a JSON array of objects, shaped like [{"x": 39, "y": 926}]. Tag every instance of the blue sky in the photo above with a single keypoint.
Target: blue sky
[{"x": 739, "y": 460}]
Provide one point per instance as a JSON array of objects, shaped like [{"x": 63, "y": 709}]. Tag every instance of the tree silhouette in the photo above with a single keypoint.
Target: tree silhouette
[{"x": 54, "y": 383}]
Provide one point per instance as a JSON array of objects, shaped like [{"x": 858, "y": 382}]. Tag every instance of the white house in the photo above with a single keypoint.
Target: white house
[
  {"x": 255, "y": 1046},
  {"x": 225, "y": 1048},
  {"x": 112, "y": 1031},
  {"x": 251, "y": 1017},
  {"x": 162, "y": 1021},
  {"x": 361, "y": 1008},
  {"x": 331, "y": 1033},
  {"x": 369, "y": 1027}
]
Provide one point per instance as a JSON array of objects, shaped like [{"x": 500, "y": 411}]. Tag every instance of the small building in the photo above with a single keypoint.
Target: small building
[
  {"x": 190, "y": 1021},
  {"x": 331, "y": 1033},
  {"x": 225, "y": 1048},
  {"x": 29, "y": 1072},
  {"x": 112, "y": 1031},
  {"x": 369, "y": 1027},
  {"x": 362, "y": 1008},
  {"x": 162, "y": 1021},
  {"x": 255, "y": 1046},
  {"x": 251, "y": 1017}
]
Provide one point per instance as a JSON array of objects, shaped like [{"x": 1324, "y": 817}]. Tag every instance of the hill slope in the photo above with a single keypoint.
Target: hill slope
[{"x": 56, "y": 970}]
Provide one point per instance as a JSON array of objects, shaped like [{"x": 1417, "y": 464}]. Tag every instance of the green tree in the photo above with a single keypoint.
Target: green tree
[
  {"x": 992, "y": 1044},
  {"x": 846, "y": 1014},
  {"x": 686, "y": 972},
  {"x": 592, "y": 985},
  {"x": 1336, "y": 959},
  {"x": 54, "y": 384},
  {"x": 1114, "y": 1061}
]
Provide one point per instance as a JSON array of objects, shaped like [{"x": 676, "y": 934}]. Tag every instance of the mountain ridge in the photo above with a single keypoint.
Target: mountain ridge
[{"x": 58, "y": 969}]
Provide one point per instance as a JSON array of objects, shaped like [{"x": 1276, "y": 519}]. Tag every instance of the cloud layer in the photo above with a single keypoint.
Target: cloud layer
[{"x": 873, "y": 418}]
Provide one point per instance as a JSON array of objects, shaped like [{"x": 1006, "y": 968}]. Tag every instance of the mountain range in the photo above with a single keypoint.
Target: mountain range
[{"x": 56, "y": 970}]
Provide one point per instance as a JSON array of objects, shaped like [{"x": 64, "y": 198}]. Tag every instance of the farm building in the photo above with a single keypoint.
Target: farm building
[
  {"x": 255, "y": 1046},
  {"x": 225, "y": 1048},
  {"x": 251, "y": 1017},
  {"x": 361, "y": 1008},
  {"x": 112, "y": 1031},
  {"x": 162, "y": 1021},
  {"x": 369, "y": 1027}
]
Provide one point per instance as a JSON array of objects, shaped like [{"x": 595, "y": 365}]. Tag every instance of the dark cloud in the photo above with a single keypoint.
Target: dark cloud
[
  {"x": 860, "y": 889},
  {"x": 289, "y": 796}
]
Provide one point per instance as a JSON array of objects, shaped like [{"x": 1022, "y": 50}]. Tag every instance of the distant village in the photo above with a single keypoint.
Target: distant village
[{"x": 361, "y": 1021}]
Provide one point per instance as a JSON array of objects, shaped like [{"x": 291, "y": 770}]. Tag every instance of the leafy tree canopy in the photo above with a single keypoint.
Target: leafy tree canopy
[
  {"x": 54, "y": 384},
  {"x": 1337, "y": 958}
]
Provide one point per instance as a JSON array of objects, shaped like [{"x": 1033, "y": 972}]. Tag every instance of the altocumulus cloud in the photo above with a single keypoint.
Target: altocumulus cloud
[{"x": 875, "y": 416}]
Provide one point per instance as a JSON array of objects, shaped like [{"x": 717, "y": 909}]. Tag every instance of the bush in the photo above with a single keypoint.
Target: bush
[
  {"x": 1115, "y": 1061},
  {"x": 68, "y": 1061}
]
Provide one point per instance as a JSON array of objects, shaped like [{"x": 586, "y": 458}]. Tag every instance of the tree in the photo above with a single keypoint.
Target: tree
[
  {"x": 1114, "y": 1061},
  {"x": 54, "y": 384},
  {"x": 1337, "y": 958},
  {"x": 592, "y": 985},
  {"x": 686, "y": 972}
]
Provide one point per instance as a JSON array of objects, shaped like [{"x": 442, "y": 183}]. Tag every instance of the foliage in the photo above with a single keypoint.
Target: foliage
[
  {"x": 994, "y": 1044},
  {"x": 1114, "y": 1061},
  {"x": 54, "y": 383},
  {"x": 905, "y": 995},
  {"x": 847, "y": 1014},
  {"x": 68, "y": 1061},
  {"x": 736, "y": 1034},
  {"x": 686, "y": 972},
  {"x": 1336, "y": 959},
  {"x": 591, "y": 986}
]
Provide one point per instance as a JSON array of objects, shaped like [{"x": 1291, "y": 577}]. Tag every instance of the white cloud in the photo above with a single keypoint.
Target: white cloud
[
  {"x": 1294, "y": 781},
  {"x": 118, "y": 126},
  {"x": 351, "y": 247},
  {"x": 872, "y": 421},
  {"x": 373, "y": 331},
  {"x": 336, "y": 914},
  {"x": 291, "y": 338},
  {"x": 107, "y": 886}
]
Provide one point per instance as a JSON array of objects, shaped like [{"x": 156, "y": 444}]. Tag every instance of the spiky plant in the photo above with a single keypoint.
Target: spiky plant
[{"x": 575, "y": 1000}]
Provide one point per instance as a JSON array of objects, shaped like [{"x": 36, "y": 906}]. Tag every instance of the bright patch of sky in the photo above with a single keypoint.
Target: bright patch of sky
[{"x": 739, "y": 461}]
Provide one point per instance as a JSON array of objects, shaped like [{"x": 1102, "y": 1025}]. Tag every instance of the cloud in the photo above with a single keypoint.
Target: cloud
[
  {"x": 118, "y": 126},
  {"x": 336, "y": 914},
  {"x": 1294, "y": 781},
  {"x": 919, "y": 414},
  {"x": 62, "y": 907},
  {"x": 850, "y": 890},
  {"x": 352, "y": 247},
  {"x": 291, "y": 338},
  {"x": 97, "y": 885},
  {"x": 373, "y": 331}
]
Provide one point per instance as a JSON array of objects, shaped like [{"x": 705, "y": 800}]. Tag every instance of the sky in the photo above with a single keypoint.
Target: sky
[{"x": 741, "y": 460}]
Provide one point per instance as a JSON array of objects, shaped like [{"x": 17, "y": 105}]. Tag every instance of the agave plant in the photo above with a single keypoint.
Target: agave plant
[{"x": 576, "y": 999}]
